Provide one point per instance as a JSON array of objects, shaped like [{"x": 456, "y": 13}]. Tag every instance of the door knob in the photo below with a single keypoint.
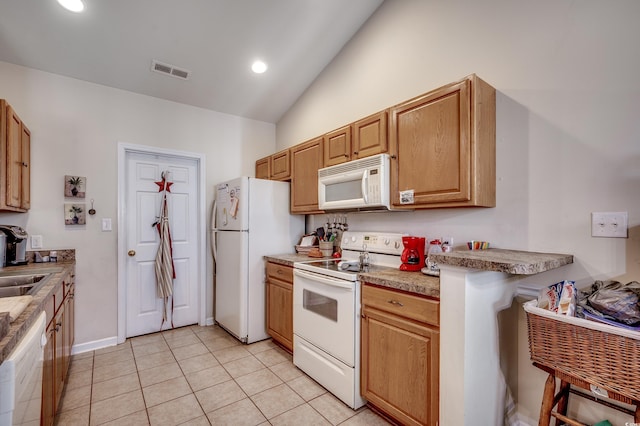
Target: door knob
[{"x": 131, "y": 253}]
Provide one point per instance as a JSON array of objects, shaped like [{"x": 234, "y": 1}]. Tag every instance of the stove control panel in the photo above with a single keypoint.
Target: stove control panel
[{"x": 373, "y": 242}]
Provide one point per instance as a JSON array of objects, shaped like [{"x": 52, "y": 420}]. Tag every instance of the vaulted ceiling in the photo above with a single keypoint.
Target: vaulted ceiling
[{"x": 113, "y": 43}]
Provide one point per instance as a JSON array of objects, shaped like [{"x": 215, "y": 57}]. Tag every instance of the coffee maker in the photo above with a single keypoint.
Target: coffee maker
[
  {"x": 16, "y": 245},
  {"x": 413, "y": 254}
]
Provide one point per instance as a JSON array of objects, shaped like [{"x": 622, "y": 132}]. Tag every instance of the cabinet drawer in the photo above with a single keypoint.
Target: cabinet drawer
[
  {"x": 281, "y": 272},
  {"x": 405, "y": 305}
]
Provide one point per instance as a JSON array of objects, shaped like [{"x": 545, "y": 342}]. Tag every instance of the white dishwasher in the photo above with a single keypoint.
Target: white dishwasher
[{"x": 21, "y": 379}]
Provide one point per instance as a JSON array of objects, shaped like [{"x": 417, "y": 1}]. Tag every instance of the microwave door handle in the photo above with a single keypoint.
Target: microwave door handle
[{"x": 365, "y": 185}]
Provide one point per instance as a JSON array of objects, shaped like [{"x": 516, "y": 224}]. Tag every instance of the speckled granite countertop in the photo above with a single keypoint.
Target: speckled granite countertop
[
  {"x": 288, "y": 259},
  {"x": 501, "y": 260},
  {"x": 22, "y": 324},
  {"x": 412, "y": 282}
]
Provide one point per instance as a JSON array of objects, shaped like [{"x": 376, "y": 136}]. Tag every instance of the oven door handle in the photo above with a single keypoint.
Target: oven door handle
[{"x": 324, "y": 280}]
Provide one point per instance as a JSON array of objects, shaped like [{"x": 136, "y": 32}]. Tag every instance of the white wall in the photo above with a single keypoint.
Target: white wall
[
  {"x": 75, "y": 129},
  {"x": 568, "y": 132}
]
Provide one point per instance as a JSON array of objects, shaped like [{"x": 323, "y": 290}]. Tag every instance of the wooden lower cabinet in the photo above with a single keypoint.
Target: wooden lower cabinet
[
  {"x": 57, "y": 352},
  {"x": 280, "y": 304},
  {"x": 400, "y": 355}
]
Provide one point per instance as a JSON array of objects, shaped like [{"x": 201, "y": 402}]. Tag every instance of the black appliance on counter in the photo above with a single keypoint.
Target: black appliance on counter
[{"x": 16, "y": 245}]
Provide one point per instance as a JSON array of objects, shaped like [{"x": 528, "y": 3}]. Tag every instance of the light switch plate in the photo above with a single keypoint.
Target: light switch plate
[
  {"x": 106, "y": 224},
  {"x": 609, "y": 224}
]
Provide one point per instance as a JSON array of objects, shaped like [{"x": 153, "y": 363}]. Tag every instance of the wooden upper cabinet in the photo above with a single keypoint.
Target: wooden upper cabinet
[
  {"x": 306, "y": 160},
  {"x": 363, "y": 138},
  {"x": 281, "y": 165},
  {"x": 442, "y": 147},
  {"x": 337, "y": 146},
  {"x": 15, "y": 157},
  {"x": 370, "y": 136},
  {"x": 263, "y": 168}
]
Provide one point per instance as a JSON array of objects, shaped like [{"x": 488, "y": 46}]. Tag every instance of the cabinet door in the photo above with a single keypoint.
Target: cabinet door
[
  {"x": 59, "y": 368},
  {"x": 430, "y": 147},
  {"x": 48, "y": 378},
  {"x": 263, "y": 168},
  {"x": 280, "y": 311},
  {"x": 306, "y": 159},
  {"x": 337, "y": 146},
  {"x": 25, "y": 184},
  {"x": 14, "y": 159},
  {"x": 281, "y": 165},
  {"x": 399, "y": 368},
  {"x": 442, "y": 146},
  {"x": 68, "y": 329},
  {"x": 370, "y": 136}
]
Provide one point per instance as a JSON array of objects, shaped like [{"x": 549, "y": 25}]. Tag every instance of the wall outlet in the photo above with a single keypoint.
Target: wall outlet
[
  {"x": 36, "y": 241},
  {"x": 609, "y": 224}
]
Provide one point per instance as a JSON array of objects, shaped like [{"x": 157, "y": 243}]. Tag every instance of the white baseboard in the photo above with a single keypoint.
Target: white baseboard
[
  {"x": 522, "y": 420},
  {"x": 92, "y": 346},
  {"x": 210, "y": 321}
]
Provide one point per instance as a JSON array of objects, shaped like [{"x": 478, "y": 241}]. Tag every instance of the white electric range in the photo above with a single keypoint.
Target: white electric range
[{"x": 326, "y": 311}]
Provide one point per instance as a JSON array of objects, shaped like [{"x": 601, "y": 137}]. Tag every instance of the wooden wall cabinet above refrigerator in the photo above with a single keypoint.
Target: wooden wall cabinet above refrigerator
[
  {"x": 15, "y": 157},
  {"x": 442, "y": 147},
  {"x": 275, "y": 167}
]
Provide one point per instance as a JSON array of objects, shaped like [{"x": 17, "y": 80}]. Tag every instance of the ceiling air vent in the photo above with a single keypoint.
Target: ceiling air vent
[{"x": 171, "y": 70}]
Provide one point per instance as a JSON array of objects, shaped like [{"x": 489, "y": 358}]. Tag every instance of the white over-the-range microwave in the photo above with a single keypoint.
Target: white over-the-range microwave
[{"x": 360, "y": 184}]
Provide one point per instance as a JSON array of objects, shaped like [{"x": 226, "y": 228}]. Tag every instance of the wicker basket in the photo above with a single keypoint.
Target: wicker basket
[{"x": 604, "y": 355}]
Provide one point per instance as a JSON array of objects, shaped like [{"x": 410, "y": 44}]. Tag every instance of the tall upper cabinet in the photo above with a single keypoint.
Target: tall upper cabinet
[
  {"x": 442, "y": 147},
  {"x": 307, "y": 159},
  {"x": 15, "y": 157}
]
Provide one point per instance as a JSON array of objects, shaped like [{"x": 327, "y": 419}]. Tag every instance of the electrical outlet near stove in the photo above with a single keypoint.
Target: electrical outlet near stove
[{"x": 36, "y": 241}]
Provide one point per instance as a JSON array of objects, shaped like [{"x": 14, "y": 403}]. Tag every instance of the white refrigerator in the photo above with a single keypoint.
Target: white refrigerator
[{"x": 251, "y": 219}]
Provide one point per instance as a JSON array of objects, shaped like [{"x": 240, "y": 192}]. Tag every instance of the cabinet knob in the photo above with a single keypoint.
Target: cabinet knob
[
  {"x": 395, "y": 302},
  {"x": 355, "y": 152},
  {"x": 131, "y": 253},
  {"x": 25, "y": 164},
  {"x": 394, "y": 156},
  {"x": 346, "y": 155}
]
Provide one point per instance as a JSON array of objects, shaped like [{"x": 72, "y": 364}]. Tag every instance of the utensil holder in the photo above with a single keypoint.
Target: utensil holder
[{"x": 326, "y": 248}]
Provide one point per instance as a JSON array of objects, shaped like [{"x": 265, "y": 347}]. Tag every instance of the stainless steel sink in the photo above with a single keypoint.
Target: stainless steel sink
[{"x": 20, "y": 285}]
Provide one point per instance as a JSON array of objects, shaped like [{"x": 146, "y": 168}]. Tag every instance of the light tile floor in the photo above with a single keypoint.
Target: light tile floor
[{"x": 198, "y": 376}]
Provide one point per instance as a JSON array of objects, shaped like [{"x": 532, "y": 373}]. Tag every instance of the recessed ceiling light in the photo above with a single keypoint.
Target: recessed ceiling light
[
  {"x": 259, "y": 67},
  {"x": 72, "y": 5}
]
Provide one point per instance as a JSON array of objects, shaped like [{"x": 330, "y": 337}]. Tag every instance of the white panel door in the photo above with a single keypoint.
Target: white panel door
[
  {"x": 232, "y": 282},
  {"x": 143, "y": 307}
]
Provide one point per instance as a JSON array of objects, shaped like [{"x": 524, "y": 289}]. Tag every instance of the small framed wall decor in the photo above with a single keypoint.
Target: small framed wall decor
[
  {"x": 74, "y": 214},
  {"x": 75, "y": 186}
]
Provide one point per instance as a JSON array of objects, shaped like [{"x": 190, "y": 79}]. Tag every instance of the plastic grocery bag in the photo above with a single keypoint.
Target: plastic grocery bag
[{"x": 613, "y": 300}]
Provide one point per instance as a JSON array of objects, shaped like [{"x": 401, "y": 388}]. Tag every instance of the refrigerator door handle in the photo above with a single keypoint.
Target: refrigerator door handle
[{"x": 214, "y": 212}]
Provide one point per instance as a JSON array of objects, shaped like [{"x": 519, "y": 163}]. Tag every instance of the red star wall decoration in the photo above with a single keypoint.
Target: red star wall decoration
[{"x": 162, "y": 185}]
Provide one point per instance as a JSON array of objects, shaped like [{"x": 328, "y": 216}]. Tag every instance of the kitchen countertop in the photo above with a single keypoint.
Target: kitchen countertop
[
  {"x": 288, "y": 259},
  {"x": 500, "y": 260},
  {"x": 412, "y": 282},
  {"x": 21, "y": 325}
]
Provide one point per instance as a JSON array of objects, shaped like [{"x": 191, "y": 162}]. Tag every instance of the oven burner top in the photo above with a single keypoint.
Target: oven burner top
[{"x": 384, "y": 250}]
